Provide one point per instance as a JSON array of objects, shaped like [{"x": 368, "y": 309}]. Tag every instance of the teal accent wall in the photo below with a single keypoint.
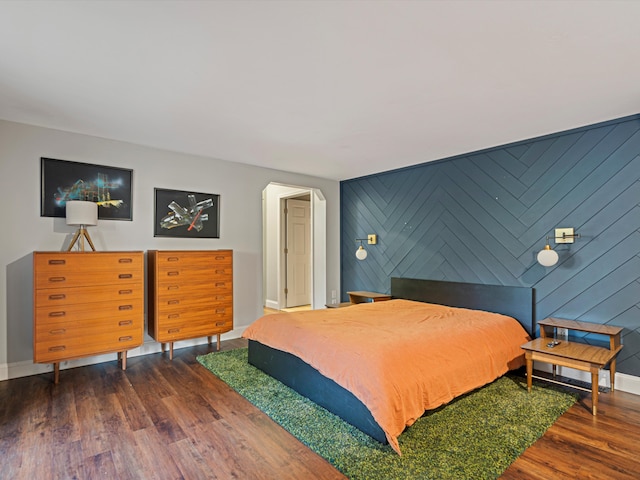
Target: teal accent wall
[{"x": 483, "y": 216}]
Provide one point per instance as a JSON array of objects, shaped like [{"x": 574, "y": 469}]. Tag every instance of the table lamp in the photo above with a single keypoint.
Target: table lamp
[{"x": 81, "y": 214}]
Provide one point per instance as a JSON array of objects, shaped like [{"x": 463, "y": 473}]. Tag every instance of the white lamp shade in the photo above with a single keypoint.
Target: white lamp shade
[
  {"x": 547, "y": 257},
  {"x": 82, "y": 213},
  {"x": 361, "y": 253}
]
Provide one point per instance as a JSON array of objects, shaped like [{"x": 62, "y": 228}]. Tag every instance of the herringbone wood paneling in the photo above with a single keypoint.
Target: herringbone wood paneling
[{"x": 483, "y": 217}]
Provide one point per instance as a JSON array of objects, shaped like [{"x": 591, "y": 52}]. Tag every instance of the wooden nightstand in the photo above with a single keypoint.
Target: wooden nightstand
[
  {"x": 588, "y": 358},
  {"x": 363, "y": 297}
]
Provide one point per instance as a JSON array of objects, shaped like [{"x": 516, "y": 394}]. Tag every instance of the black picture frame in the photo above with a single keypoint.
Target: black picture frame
[
  {"x": 63, "y": 180},
  {"x": 180, "y": 213}
]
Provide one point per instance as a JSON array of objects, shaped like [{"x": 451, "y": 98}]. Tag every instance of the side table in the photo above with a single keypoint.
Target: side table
[{"x": 587, "y": 358}]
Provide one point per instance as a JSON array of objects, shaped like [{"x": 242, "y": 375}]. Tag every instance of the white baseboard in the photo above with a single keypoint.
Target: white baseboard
[
  {"x": 624, "y": 383},
  {"x": 272, "y": 304},
  {"x": 27, "y": 368}
]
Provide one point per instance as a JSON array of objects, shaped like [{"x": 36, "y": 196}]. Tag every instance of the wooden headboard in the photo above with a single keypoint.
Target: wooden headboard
[{"x": 516, "y": 302}]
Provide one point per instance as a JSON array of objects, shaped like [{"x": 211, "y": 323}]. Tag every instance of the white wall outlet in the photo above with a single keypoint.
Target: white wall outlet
[
  {"x": 563, "y": 333},
  {"x": 333, "y": 294}
]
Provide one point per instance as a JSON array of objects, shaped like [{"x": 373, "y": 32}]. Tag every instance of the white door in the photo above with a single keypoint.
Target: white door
[{"x": 298, "y": 253}]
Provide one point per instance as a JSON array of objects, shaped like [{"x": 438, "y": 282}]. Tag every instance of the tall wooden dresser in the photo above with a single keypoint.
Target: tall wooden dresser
[
  {"x": 87, "y": 303},
  {"x": 190, "y": 294}
]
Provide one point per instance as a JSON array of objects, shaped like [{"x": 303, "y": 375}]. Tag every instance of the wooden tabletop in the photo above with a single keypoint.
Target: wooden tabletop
[
  {"x": 370, "y": 294},
  {"x": 581, "y": 326},
  {"x": 573, "y": 351}
]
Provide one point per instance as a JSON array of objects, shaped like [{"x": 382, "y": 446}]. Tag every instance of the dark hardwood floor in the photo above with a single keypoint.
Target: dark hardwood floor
[{"x": 163, "y": 419}]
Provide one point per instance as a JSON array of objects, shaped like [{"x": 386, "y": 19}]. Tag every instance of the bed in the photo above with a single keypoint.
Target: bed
[{"x": 372, "y": 401}]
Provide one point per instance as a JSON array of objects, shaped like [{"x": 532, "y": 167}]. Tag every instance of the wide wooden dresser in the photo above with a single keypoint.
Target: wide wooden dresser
[
  {"x": 87, "y": 303},
  {"x": 190, "y": 294}
]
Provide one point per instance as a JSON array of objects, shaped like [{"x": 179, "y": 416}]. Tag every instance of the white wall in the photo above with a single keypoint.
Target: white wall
[{"x": 23, "y": 230}]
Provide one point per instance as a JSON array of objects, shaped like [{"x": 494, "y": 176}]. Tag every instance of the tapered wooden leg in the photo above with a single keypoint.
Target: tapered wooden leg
[
  {"x": 170, "y": 350},
  {"x": 612, "y": 374},
  {"x": 529, "y": 370},
  {"x": 73, "y": 240},
  {"x": 123, "y": 359},
  {"x": 56, "y": 373},
  {"x": 594, "y": 391},
  {"x": 86, "y": 234},
  {"x": 218, "y": 343}
]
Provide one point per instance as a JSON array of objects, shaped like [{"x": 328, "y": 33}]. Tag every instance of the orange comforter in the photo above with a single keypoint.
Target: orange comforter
[{"x": 398, "y": 357}]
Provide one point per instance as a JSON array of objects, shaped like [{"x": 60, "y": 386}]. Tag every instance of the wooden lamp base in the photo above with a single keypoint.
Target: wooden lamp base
[{"x": 81, "y": 234}]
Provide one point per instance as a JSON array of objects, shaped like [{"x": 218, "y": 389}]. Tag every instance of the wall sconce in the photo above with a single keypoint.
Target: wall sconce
[
  {"x": 361, "y": 253},
  {"x": 81, "y": 214},
  {"x": 547, "y": 257}
]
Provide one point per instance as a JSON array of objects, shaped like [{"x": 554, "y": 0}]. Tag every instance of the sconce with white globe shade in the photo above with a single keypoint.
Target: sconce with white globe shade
[
  {"x": 372, "y": 239},
  {"x": 547, "y": 257}
]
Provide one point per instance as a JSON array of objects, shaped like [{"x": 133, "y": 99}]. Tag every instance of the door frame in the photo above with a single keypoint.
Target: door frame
[{"x": 318, "y": 244}]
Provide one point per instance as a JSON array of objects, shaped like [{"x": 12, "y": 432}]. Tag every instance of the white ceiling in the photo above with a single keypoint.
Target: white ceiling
[{"x": 336, "y": 89}]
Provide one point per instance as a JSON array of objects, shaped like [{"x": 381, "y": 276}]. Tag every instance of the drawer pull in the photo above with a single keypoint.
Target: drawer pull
[
  {"x": 219, "y": 284},
  {"x": 173, "y": 330},
  {"x": 128, "y": 338},
  {"x": 220, "y": 297},
  {"x": 220, "y": 272},
  {"x": 174, "y": 315},
  {"x": 57, "y": 348},
  {"x": 173, "y": 302},
  {"x": 172, "y": 259},
  {"x": 57, "y": 296},
  {"x": 57, "y": 279},
  {"x": 57, "y": 314},
  {"x": 125, "y": 292},
  {"x": 220, "y": 257},
  {"x": 125, "y": 307},
  {"x": 57, "y": 262},
  {"x": 220, "y": 324},
  {"x": 173, "y": 274},
  {"x": 125, "y": 275},
  {"x": 173, "y": 287},
  {"x": 59, "y": 331},
  {"x": 125, "y": 260},
  {"x": 221, "y": 310},
  {"x": 124, "y": 323}
]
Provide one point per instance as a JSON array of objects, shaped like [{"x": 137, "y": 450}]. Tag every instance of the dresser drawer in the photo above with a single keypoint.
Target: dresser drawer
[
  {"x": 217, "y": 291},
  {"x": 78, "y": 314},
  {"x": 100, "y": 293},
  {"x": 185, "y": 276},
  {"x": 196, "y": 326},
  {"x": 177, "y": 317},
  {"x": 77, "y": 269},
  {"x": 171, "y": 305},
  {"x": 89, "y": 338},
  {"x": 192, "y": 259}
]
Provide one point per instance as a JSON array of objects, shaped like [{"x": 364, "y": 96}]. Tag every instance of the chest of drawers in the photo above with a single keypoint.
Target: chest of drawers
[
  {"x": 87, "y": 303},
  {"x": 190, "y": 294}
]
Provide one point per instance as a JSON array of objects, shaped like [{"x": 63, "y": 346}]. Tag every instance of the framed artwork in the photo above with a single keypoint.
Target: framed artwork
[
  {"x": 186, "y": 214},
  {"x": 62, "y": 180}
]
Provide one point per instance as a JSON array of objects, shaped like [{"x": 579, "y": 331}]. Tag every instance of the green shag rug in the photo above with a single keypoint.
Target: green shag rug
[{"x": 476, "y": 436}]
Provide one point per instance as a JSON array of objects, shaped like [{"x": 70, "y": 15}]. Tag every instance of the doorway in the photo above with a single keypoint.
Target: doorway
[{"x": 294, "y": 254}]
